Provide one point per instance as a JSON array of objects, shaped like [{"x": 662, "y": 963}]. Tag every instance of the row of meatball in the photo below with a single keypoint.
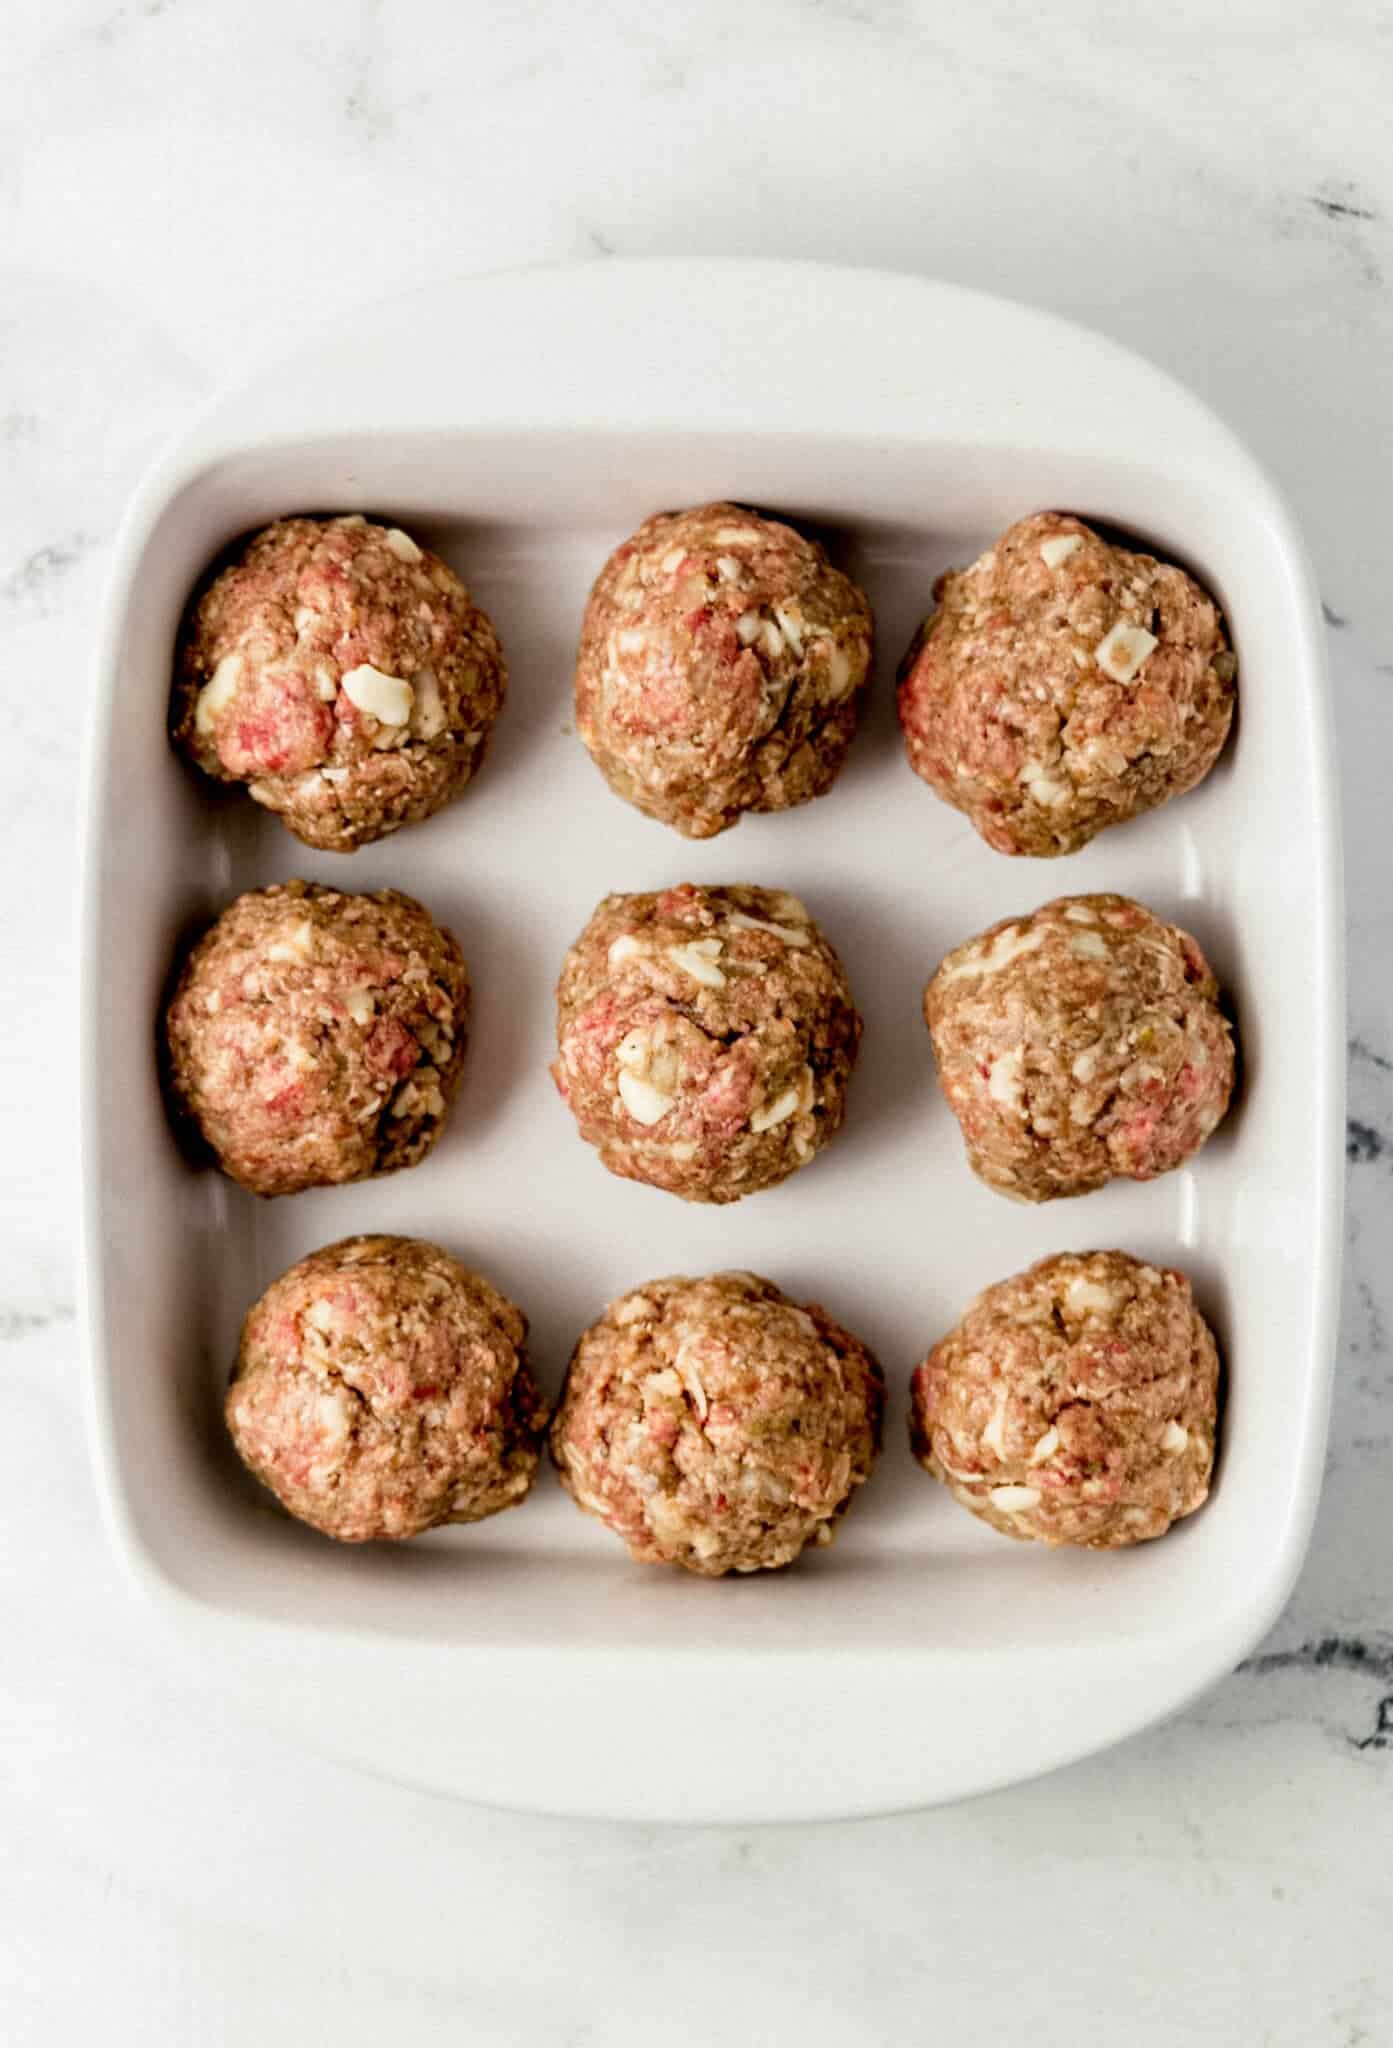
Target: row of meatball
[
  {"x": 342, "y": 674},
  {"x": 705, "y": 1040},
  {"x": 381, "y": 1389}
]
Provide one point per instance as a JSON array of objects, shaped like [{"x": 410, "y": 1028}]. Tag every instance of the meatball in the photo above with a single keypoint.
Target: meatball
[
  {"x": 316, "y": 1037},
  {"x": 714, "y": 1425},
  {"x": 1074, "y": 1403},
  {"x": 381, "y": 1389},
  {"x": 1063, "y": 685},
  {"x": 721, "y": 667},
  {"x": 1078, "y": 1045},
  {"x": 705, "y": 1038},
  {"x": 343, "y": 674}
]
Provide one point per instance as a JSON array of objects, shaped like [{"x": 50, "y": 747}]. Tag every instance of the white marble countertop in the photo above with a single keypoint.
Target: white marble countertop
[{"x": 183, "y": 185}]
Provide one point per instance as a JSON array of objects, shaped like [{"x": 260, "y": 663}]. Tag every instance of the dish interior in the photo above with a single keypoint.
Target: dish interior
[{"x": 888, "y": 1227}]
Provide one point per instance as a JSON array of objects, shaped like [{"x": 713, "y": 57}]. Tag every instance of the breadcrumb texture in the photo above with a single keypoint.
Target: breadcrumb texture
[
  {"x": 381, "y": 1389},
  {"x": 713, "y": 1424},
  {"x": 1074, "y": 1403},
  {"x": 316, "y": 1037},
  {"x": 722, "y": 665},
  {"x": 1079, "y": 1044},
  {"x": 1063, "y": 685},
  {"x": 705, "y": 1038},
  {"x": 343, "y": 674}
]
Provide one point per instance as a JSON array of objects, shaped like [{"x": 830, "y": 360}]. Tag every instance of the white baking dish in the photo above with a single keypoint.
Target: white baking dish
[{"x": 524, "y": 423}]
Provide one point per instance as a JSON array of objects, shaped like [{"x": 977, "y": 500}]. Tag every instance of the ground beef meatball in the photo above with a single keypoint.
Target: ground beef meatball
[
  {"x": 705, "y": 1039},
  {"x": 1078, "y": 1045},
  {"x": 713, "y": 1424},
  {"x": 1064, "y": 685},
  {"x": 1075, "y": 1403},
  {"x": 381, "y": 1389},
  {"x": 343, "y": 674},
  {"x": 317, "y": 1037},
  {"x": 721, "y": 668}
]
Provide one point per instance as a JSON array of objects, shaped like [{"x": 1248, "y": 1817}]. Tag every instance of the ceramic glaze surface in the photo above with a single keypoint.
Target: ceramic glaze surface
[{"x": 987, "y": 1660}]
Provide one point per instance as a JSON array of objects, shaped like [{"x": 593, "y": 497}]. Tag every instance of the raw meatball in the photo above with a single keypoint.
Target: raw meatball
[
  {"x": 343, "y": 674},
  {"x": 1080, "y": 1044},
  {"x": 722, "y": 662},
  {"x": 1075, "y": 1403},
  {"x": 381, "y": 1389},
  {"x": 705, "y": 1039},
  {"x": 1063, "y": 685},
  {"x": 712, "y": 1424},
  {"x": 317, "y": 1037}
]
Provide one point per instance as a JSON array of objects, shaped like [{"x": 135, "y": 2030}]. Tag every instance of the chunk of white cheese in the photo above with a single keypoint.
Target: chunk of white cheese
[
  {"x": 386, "y": 698},
  {"x": 1121, "y": 652}
]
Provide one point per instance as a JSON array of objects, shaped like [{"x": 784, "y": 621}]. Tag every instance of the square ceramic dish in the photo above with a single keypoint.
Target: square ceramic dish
[{"x": 523, "y": 424}]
